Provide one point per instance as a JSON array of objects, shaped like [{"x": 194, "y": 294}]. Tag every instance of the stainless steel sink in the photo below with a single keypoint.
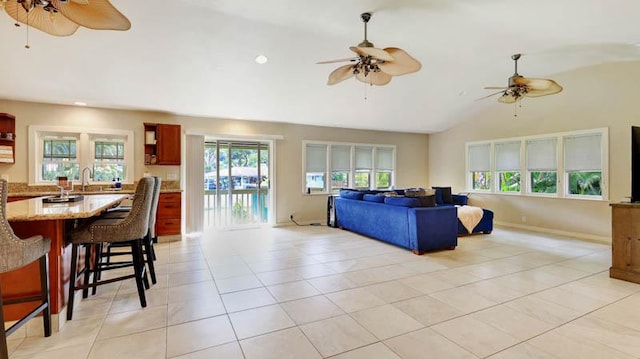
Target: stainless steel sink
[{"x": 57, "y": 199}]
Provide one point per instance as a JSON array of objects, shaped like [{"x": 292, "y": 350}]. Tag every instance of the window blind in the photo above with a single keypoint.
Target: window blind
[
  {"x": 340, "y": 158},
  {"x": 542, "y": 154},
  {"x": 384, "y": 158},
  {"x": 583, "y": 152},
  {"x": 508, "y": 156},
  {"x": 316, "y": 158},
  {"x": 480, "y": 157}
]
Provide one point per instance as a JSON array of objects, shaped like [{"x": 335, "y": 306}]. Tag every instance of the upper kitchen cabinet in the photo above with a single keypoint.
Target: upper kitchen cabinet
[
  {"x": 161, "y": 144},
  {"x": 7, "y": 138}
]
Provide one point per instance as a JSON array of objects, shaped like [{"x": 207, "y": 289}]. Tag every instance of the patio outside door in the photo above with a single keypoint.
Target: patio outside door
[{"x": 236, "y": 183}]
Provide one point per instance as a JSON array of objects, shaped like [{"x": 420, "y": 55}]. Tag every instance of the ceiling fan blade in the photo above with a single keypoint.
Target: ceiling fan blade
[
  {"x": 96, "y": 14},
  {"x": 340, "y": 74},
  {"x": 57, "y": 25},
  {"x": 402, "y": 64},
  {"x": 374, "y": 52},
  {"x": 374, "y": 78},
  {"x": 538, "y": 84},
  {"x": 490, "y": 95},
  {"x": 496, "y": 87},
  {"x": 352, "y": 59}
]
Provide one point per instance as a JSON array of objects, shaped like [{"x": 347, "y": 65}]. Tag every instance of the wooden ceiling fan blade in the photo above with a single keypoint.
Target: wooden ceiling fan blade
[
  {"x": 402, "y": 64},
  {"x": 374, "y": 78},
  {"x": 538, "y": 84},
  {"x": 56, "y": 24},
  {"x": 374, "y": 52},
  {"x": 95, "y": 14},
  {"x": 490, "y": 95},
  {"x": 496, "y": 87},
  {"x": 506, "y": 98},
  {"x": 340, "y": 74},
  {"x": 352, "y": 59}
]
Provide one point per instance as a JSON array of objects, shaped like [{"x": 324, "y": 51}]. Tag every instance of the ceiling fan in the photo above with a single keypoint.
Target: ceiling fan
[
  {"x": 64, "y": 17},
  {"x": 520, "y": 86},
  {"x": 373, "y": 66}
]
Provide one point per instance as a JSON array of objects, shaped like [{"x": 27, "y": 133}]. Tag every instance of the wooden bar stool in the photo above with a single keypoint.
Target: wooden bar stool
[{"x": 16, "y": 253}]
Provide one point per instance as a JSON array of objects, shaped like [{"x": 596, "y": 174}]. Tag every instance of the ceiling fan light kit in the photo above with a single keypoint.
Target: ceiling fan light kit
[
  {"x": 64, "y": 17},
  {"x": 373, "y": 65}
]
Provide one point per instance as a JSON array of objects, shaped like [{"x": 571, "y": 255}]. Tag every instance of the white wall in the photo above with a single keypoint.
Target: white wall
[
  {"x": 412, "y": 158},
  {"x": 594, "y": 97}
]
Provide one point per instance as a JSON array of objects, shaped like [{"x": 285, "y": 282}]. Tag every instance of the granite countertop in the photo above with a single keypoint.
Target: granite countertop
[
  {"x": 35, "y": 210},
  {"x": 57, "y": 193},
  {"x": 25, "y": 190}
]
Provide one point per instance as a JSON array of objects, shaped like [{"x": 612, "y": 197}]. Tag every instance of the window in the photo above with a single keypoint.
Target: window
[
  {"x": 479, "y": 162},
  {"x": 316, "y": 168},
  {"x": 64, "y": 151},
  {"x": 542, "y": 165},
  {"x": 564, "y": 165},
  {"x": 109, "y": 161},
  {"x": 59, "y": 158},
  {"x": 583, "y": 164},
  {"x": 347, "y": 166},
  {"x": 508, "y": 166}
]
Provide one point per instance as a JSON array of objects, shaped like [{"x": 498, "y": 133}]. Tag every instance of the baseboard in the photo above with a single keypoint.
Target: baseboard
[
  {"x": 311, "y": 223},
  {"x": 584, "y": 236}
]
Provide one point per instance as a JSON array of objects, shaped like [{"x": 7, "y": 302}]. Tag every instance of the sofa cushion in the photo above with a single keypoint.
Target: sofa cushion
[
  {"x": 443, "y": 195},
  {"x": 402, "y": 201},
  {"x": 373, "y": 198},
  {"x": 351, "y": 194},
  {"x": 427, "y": 201}
]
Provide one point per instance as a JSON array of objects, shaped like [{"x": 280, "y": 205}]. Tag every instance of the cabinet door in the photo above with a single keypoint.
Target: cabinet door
[{"x": 168, "y": 144}]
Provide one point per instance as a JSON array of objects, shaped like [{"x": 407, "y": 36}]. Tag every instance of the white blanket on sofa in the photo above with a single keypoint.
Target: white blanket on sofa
[{"x": 469, "y": 216}]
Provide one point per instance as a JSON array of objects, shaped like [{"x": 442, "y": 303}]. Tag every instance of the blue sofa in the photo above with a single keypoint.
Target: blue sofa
[
  {"x": 484, "y": 226},
  {"x": 398, "y": 220}
]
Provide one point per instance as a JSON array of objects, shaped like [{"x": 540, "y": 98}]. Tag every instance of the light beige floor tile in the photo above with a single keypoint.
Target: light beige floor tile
[
  {"x": 611, "y": 334},
  {"x": 426, "y": 283},
  {"x": 424, "y": 265},
  {"x": 457, "y": 277},
  {"x": 280, "y": 276},
  {"x": 475, "y": 336},
  {"x": 128, "y": 301},
  {"x": 549, "y": 312},
  {"x": 284, "y": 344},
  {"x": 76, "y": 332},
  {"x": 293, "y": 290},
  {"x": 311, "y": 309},
  {"x": 352, "y": 300},
  {"x": 229, "y": 270},
  {"x": 252, "y": 322},
  {"x": 198, "y": 290},
  {"x": 373, "y": 351},
  {"x": 225, "y": 351},
  {"x": 315, "y": 270},
  {"x": 426, "y": 343},
  {"x": 80, "y": 351},
  {"x": 523, "y": 351},
  {"x": 235, "y": 284},
  {"x": 13, "y": 341},
  {"x": 563, "y": 346},
  {"x": 197, "y": 335},
  {"x": 512, "y": 322},
  {"x": 145, "y": 345},
  {"x": 494, "y": 292},
  {"x": 464, "y": 299},
  {"x": 332, "y": 283},
  {"x": 393, "y": 291},
  {"x": 182, "y": 278},
  {"x": 122, "y": 324},
  {"x": 247, "y": 299},
  {"x": 427, "y": 310},
  {"x": 386, "y": 321},
  {"x": 187, "y": 266},
  {"x": 336, "y": 335},
  {"x": 565, "y": 297},
  {"x": 196, "y": 309}
]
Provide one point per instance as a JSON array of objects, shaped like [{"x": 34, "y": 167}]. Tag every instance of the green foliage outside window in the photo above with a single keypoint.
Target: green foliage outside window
[
  {"x": 340, "y": 180},
  {"x": 509, "y": 181},
  {"x": 383, "y": 179},
  {"x": 544, "y": 182},
  {"x": 59, "y": 159},
  {"x": 482, "y": 181},
  {"x": 362, "y": 179},
  {"x": 585, "y": 183}
]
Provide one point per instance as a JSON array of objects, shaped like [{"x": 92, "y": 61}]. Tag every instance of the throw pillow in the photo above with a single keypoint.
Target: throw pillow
[
  {"x": 414, "y": 192},
  {"x": 373, "y": 198},
  {"x": 351, "y": 194},
  {"x": 443, "y": 195},
  {"x": 402, "y": 201},
  {"x": 427, "y": 201}
]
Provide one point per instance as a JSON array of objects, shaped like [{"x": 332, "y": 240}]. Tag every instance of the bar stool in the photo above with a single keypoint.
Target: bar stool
[
  {"x": 128, "y": 231},
  {"x": 151, "y": 236},
  {"x": 16, "y": 253}
]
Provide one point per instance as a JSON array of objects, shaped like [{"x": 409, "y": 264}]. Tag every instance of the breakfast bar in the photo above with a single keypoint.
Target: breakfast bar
[{"x": 32, "y": 217}]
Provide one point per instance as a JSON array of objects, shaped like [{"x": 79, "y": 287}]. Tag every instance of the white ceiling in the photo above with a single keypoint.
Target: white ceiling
[{"x": 196, "y": 57}]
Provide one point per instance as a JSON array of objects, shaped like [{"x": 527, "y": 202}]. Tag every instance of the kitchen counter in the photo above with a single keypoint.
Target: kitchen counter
[
  {"x": 34, "y": 209},
  {"x": 91, "y": 192}
]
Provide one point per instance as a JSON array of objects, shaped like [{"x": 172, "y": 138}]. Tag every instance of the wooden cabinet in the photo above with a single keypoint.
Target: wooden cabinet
[
  {"x": 7, "y": 138},
  {"x": 625, "y": 242},
  {"x": 169, "y": 213},
  {"x": 162, "y": 144}
]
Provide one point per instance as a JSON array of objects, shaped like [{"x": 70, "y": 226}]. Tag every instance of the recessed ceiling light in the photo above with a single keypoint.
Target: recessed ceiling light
[
  {"x": 261, "y": 59},
  {"x": 78, "y": 103}
]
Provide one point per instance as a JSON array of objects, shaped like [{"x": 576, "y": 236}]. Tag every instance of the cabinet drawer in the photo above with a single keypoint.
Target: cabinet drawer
[
  {"x": 165, "y": 227},
  {"x": 170, "y": 197},
  {"x": 168, "y": 210}
]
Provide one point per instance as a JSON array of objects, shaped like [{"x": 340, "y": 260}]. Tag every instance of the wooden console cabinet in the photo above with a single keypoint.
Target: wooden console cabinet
[
  {"x": 169, "y": 212},
  {"x": 625, "y": 242},
  {"x": 7, "y": 138}
]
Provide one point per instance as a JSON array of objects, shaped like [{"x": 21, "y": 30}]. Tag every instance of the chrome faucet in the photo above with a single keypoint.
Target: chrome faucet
[{"x": 83, "y": 177}]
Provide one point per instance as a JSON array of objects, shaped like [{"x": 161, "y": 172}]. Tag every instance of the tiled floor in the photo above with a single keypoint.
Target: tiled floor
[{"x": 317, "y": 292}]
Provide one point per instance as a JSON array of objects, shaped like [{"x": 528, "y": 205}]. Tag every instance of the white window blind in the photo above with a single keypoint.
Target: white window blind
[
  {"x": 316, "y": 158},
  {"x": 480, "y": 157},
  {"x": 508, "y": 156},
  {"x": 340, "y": 158},
  {"x": 364, "y": 158},
  {"x": 384, "y": 158},
  {"x": 583, "y": 152},
  {"x": 542, "y": 154}
]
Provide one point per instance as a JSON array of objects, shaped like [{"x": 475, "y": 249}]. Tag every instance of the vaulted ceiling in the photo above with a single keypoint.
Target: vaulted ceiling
[{"x": 196, "y": 57}]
